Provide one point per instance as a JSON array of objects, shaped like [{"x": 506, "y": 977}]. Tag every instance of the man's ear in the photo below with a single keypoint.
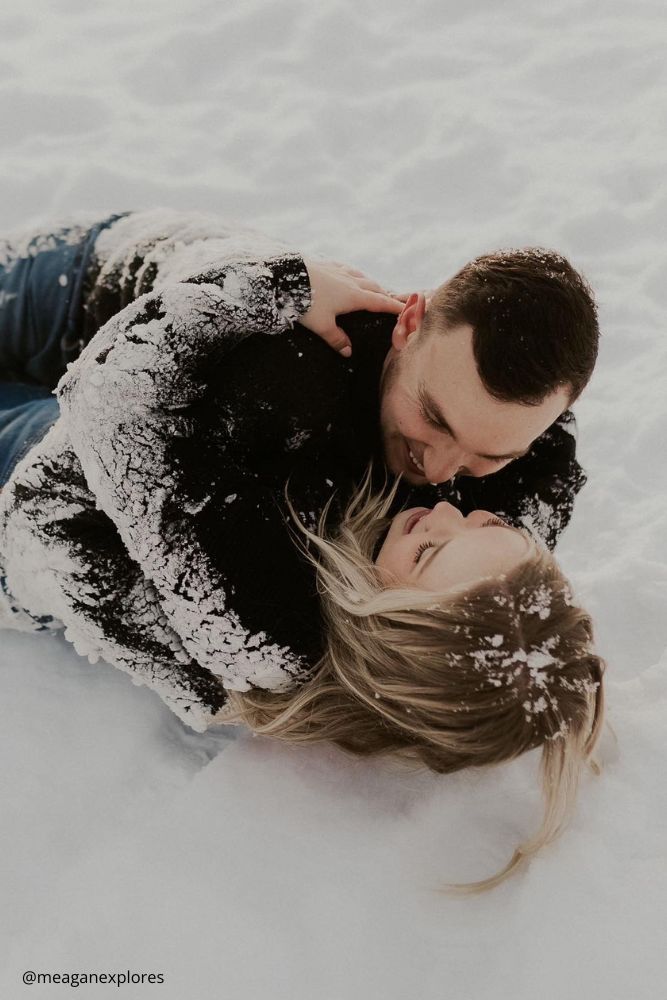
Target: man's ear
[{"x": 409, "y": 320}]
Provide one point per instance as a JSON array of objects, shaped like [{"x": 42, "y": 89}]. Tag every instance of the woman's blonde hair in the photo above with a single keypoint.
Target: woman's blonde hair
[{"x": 453, "y": 680}]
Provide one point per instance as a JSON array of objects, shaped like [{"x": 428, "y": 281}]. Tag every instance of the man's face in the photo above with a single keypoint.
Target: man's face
[{"x": 437, "y": 418}]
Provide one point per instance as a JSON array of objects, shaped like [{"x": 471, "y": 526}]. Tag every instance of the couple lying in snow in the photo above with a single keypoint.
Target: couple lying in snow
[{"x": 278, "y": 494}]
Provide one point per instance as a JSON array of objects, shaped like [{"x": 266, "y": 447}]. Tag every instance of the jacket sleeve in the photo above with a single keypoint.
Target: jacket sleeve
[
  {"x": 135, "y": 387},
  {"x": 537, "y": 491},
  {"x": 64, "y": 566}
]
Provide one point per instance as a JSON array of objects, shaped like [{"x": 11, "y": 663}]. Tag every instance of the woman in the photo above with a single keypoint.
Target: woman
[
  {"x": 128, "y": 518},
  {"x": 458, "y": 645}
]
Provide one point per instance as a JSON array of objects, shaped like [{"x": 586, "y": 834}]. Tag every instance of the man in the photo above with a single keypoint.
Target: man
[
  {"x": 481, "y": 381},
  {"x": 485, "y": 377},
  {"x": 187, "y": 419}
]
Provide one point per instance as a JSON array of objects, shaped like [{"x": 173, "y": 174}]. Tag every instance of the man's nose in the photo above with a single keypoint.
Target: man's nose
[{"x": 440, "y": 468}]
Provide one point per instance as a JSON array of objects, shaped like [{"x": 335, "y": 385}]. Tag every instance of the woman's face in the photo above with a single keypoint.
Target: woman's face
[{"x": 440, "y": 548}]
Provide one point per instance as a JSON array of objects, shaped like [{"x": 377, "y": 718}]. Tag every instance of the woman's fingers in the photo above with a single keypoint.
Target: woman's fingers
[
  {"x": 379, "y": 302},
  {"x": 338, "y": 339},
  {"x": 368, "y": 301},
  {"x": 354, "y": 272},
  {"x": 370, "y": 286},
  {"x": 335, "y": 290},
  {"x": 428, "y": 294}
]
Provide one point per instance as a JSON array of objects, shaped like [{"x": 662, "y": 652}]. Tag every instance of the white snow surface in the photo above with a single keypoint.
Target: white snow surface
[{"x": 403, "y": 139}]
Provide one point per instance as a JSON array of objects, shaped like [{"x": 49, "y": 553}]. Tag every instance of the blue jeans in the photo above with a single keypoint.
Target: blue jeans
[
  {"x": 26, "y": 413},
  {"x": 41, "y": 302},
  {"x": 41, "y": 320}
]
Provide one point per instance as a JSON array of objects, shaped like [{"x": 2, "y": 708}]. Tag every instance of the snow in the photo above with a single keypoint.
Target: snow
[{"x": 402, "y": 140}]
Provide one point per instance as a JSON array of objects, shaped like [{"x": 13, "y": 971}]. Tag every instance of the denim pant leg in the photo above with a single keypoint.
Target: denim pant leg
[
  {"x": 26, "y": 413},
  {"x": 41, "y": 302}
]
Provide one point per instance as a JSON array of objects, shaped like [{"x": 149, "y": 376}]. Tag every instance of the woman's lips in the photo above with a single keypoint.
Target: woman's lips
[{"x": 414, "y": 518}]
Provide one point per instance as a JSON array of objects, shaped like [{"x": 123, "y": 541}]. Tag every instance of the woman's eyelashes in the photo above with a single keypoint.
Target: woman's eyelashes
[
  {"x": 424, "y": 546},
  {"x": 422, "y": 549}
]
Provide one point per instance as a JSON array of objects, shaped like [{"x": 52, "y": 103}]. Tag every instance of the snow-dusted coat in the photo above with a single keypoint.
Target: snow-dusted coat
[{"x": 150, "y": 521}]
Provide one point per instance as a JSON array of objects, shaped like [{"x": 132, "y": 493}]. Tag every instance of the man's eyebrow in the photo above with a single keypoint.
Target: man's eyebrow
[
  {"x": 436, "y": 416},
  {"x": 431, "y": 556}
]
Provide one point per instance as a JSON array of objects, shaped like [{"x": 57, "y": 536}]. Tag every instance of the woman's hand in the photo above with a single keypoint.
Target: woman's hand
[{"x": 338, "y": 289}]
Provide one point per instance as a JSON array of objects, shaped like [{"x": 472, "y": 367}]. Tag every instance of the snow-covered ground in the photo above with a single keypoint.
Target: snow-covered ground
[{"x": 403, "y": 138}]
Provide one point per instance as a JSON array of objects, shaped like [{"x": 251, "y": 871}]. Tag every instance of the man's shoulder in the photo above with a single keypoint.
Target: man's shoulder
[
  {"x": 300, "y": 368},
  {"x": 293, "y": 364},
  {"x": 288, "y": 398}
]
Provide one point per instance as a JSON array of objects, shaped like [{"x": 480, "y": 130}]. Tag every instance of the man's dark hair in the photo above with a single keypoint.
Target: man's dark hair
[{"x": 534, "y": 321}]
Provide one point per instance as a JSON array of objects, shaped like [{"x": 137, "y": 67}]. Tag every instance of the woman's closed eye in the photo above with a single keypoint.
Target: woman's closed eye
[{"x": 423, "y": 547}]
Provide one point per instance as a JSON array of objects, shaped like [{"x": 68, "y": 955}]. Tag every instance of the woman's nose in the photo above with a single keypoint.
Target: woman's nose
[{"x": 446, "y": 515}]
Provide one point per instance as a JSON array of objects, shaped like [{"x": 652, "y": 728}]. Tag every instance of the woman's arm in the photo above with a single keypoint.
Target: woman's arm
[
  {"x": 134, "y": 389},
  {"x": 65, "y": 566}
]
